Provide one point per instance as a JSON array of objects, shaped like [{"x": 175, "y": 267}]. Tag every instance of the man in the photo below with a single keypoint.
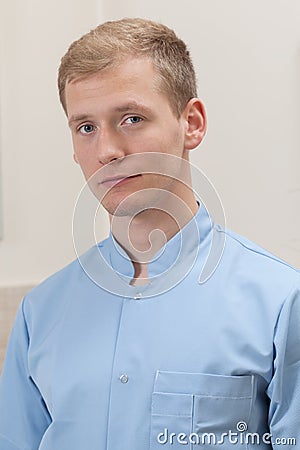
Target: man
[{"x": 126, "y": 348}]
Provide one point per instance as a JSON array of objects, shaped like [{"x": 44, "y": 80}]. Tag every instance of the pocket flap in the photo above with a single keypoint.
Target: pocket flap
[{"x": 234, "y": 386}]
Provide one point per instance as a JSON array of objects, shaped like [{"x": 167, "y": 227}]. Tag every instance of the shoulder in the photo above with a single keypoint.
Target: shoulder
[
  {"x": 251, "y": 250},
  {"x": 247, "y": 263},
  {"x": 71, "y": 283}
]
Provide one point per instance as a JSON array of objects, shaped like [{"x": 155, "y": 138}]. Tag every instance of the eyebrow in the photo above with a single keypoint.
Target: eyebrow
[
  {"x": 131, "y": 106},
  {"x": 78, "y": 118}
]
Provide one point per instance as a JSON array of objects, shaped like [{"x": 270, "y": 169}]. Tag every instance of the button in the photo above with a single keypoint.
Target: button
[
  {"x": 124, "y": 378},
  {"x": 137, "y": 296}
]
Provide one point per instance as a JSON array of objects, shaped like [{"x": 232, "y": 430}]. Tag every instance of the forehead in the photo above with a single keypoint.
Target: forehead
[
  {"x": 134, "y": 76},
  {"x": 135, "y": 80}
]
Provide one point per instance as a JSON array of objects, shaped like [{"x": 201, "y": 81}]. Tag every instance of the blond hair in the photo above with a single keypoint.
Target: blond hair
[{"x": 114, "y": 41}]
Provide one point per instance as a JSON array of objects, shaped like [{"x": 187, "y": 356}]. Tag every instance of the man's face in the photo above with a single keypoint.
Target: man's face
[{"x": 119, "y": 113}]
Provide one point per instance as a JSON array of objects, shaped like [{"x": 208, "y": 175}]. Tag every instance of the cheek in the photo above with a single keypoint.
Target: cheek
[
  {"x": 75, "y": 158},
  {"x": 157, "y": 143},
  {"x": 172, "y": 141},
  {"x": 88, "y": 167},
  {"x": 82, "y": 154},
  {"x": 82, "y": 150}
]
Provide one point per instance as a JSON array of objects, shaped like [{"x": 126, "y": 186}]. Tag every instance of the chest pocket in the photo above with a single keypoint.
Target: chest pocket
[{"x": 191, "y": 410}]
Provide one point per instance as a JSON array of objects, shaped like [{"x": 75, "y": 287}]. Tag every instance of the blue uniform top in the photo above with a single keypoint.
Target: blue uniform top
[{"x": 94, "y": 363}]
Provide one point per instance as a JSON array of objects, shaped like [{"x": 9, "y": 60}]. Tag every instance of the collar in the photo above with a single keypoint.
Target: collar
[
  {"x": 108, "y": 265},
  {"x": 180, "y": 249}
]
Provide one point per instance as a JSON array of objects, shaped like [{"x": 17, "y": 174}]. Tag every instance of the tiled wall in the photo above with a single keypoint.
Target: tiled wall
[{"x": 10, "y": 298}]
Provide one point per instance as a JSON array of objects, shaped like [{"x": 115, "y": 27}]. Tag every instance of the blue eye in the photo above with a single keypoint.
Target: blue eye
[
  {"x": 133, "y": 119},
  {"x": 87, "y": 128}
]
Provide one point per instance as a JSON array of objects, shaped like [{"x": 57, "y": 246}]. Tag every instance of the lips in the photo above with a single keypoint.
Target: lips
[{"x": 117, "y": 180}]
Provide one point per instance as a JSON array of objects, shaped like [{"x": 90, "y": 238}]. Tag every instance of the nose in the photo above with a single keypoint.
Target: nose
[{"x": 109, "y": 147}]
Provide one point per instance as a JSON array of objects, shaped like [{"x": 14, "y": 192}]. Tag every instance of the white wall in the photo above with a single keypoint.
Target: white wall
[
  {"x": 39, "y": 180},
  {"x": 247, "y": 58}
]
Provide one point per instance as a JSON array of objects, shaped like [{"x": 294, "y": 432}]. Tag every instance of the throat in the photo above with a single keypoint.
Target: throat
[{"x": 141, "y": 277}]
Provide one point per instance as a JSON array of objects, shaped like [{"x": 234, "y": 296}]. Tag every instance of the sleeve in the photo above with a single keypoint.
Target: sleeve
[
  {"x": 284, "y": 389},
  {"x": 23, "y": 413}
]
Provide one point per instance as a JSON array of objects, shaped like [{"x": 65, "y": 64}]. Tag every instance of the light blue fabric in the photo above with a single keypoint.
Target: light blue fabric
[{"x": 90, "y": 370}]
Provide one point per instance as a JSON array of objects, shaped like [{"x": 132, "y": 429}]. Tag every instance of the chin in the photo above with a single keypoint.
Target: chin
[
  {"x": 128, "y": 206},
  {"x": 122, "y": 211}
]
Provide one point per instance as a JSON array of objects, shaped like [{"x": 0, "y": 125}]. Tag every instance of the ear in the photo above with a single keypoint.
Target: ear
[
  {"x": 195, "y": 120},
  {"x": 75, "y": 158}
]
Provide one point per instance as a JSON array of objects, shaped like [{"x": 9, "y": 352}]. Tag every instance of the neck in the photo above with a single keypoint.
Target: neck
[{"x": 148, "y": 231}]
